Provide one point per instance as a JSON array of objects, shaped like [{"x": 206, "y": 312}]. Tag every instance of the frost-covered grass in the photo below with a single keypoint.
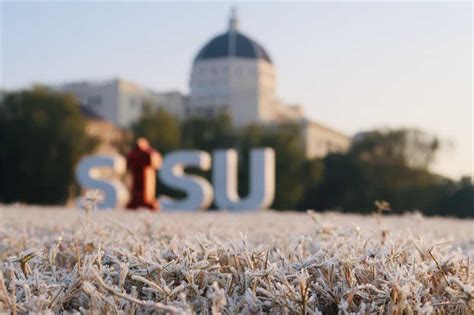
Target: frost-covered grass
[{"x": 124, "y": 262}]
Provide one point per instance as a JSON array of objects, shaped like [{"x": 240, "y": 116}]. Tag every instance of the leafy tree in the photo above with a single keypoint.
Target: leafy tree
[
  {"x": 342, "y": 184},
  {"x": 42, "y": 136},
  {"x": 408, "y": 147},
  {"x": 457, "y": 199},
  {"x": 208, "y": 133},
  {"x": 293, "y": 171},
  {"x": 389, "y": 165},
  {"x": 160, "y": 128}
]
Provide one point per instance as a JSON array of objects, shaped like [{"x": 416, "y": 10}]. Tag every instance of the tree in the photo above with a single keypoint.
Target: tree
[
  {"x": 457, "y": 199},
  {"x": 207, "y": 134},
  {"x": 42, "y": 136},
  {"x": 389, "y": 165},
  {"x": 160, "y": 128},
  {"x": 293, "y": 172},
  {"x": 342, "y": 186},
  {"x": 408, "y": 147}
]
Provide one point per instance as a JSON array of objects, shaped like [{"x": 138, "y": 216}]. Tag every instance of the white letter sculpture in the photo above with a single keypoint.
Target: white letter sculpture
[
  {"x": 262, "y": 180},
  {"x": 88, "y": 174},
  {"x": 199, "y": 192}
]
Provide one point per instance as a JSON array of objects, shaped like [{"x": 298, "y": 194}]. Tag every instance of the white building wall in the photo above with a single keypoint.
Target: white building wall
[
  {"x": 244, "y": 90},
  {"x": 133, "y": 99},
  {"x": 131, "y": 102},
  {"x": 173, "y": 102},
  {"x": 210, "y": 87},
  {"x": 267, "y": 91},
  {"x": 122, "y": 102},
  {"x": 242, "y": 87},
  {"x": 101, "y": 98}
]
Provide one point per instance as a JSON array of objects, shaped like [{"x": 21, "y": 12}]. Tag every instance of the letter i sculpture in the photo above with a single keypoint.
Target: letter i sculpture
[{"x": 143, "y": 162}]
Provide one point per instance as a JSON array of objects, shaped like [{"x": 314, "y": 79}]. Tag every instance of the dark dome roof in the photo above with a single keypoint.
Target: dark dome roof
[{"x": 232, "y": 43}]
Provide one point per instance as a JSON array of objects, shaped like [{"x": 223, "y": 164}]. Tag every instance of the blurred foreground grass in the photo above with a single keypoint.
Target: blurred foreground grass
[{"x": 56, "y": 260}]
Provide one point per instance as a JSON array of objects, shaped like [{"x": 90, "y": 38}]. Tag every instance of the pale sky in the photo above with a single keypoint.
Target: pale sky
[{"x": 353, "y": 66}]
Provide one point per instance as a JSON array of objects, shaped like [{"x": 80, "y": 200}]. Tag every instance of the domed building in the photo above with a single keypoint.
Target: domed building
[{"x": 233, "y": 73}]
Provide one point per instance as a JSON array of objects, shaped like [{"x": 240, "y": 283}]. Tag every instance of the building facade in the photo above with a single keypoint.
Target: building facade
[
  {"x": 122, "y": 102},
  {"x": 232, "y": 74}
]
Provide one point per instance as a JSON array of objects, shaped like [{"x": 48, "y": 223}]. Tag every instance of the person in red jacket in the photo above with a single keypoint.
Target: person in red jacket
[{"x": 143, "y": 162}]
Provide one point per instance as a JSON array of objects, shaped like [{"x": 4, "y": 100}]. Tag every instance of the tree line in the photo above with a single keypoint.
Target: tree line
[{"x": 42, "y": 136}]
